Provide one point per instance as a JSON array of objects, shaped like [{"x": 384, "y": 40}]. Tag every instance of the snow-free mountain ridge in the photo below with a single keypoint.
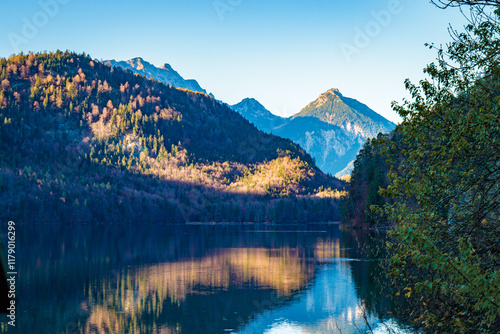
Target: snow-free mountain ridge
[{"x": 164, "y": 73}]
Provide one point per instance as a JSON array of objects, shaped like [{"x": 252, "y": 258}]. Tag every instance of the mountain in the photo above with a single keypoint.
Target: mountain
[
  {"x": 165, "y": 73},
  {"x": 349, "y": 114},
  {"x": 257, "y": 114},
  {"x": 83, "y": 142},
  {"x": 332, "y": 128}
]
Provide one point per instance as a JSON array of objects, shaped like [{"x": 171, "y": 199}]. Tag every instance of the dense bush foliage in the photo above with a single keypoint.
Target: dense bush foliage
[{"x": 444, "y": 186}]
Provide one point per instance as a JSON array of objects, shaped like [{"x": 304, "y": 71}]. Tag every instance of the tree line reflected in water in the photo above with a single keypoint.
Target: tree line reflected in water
[{"x": 194, "y": 279}]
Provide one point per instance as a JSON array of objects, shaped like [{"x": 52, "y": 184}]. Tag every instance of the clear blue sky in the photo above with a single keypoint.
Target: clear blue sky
[{"x": 283, "y": 53}]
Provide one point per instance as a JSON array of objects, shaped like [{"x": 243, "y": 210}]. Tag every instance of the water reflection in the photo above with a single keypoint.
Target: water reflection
[{"x": 160, "y": 279}]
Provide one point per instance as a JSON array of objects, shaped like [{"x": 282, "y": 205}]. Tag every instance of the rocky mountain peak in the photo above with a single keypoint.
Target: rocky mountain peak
[
  {"x": 332, "y": 91},
  {"x": 167, "y": 67},
  {"x": 256, "y": 113},
  {"x": 138, "y": 63},
  {"x": 251, "y": 102}
]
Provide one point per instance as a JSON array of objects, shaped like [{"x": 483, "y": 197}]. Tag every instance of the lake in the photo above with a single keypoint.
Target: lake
[{"x": 198, "y": 279}]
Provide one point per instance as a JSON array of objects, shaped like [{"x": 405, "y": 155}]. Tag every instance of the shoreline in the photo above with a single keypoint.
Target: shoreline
[
  {"x": 48, "y": 223},
  {"x": 256, "y": 224}
]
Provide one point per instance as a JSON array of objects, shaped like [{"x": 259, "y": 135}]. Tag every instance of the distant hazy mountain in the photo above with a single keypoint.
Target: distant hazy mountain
[
  {"x": 165, "y": 73},
  {"x": 332, "y": 128},
  {"x": 257, "y": 114}
]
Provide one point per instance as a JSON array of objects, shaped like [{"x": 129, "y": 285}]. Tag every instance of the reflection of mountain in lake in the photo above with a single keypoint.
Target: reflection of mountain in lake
[
  {"x": 186, "y": 279},
  {"x": 206, "y": 287},
  {"x": 281, "y": 270}
]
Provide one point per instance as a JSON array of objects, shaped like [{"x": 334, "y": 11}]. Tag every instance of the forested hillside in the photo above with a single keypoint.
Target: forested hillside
[
  {"x": 83, "y": 142},
  {"x": 436, "y": 181},
  {"x": 368, "y": 176}
]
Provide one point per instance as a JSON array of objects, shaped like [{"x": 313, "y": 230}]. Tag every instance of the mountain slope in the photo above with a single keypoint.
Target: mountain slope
[
  {"x": 257, "y": 114},
  {"x": 331, "y": 146},
  {"x": 165, "y": 73},
  {"x": 83, "y": 142}
]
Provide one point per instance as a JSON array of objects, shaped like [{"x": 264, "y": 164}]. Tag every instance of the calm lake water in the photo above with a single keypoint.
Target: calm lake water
[{"x": 196, "y": 279}]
